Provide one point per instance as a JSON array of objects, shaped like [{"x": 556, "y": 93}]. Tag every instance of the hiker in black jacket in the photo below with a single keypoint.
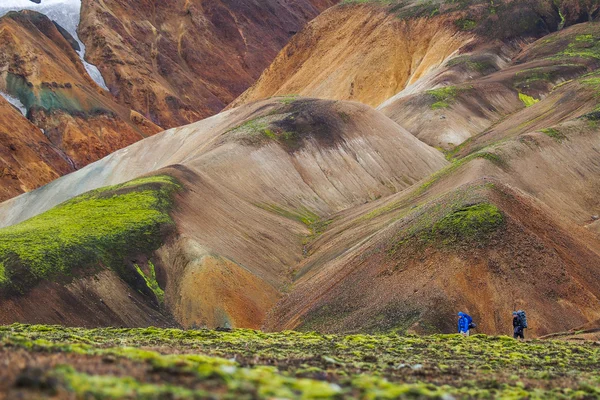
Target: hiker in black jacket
[{"x": 518, "y": 326}]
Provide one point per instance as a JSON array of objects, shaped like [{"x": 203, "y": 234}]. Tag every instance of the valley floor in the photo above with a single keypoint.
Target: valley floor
[{"x": 151, "y": 363}]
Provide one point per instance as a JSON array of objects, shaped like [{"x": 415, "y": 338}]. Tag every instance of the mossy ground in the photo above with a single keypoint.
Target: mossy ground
[
  {"x": 171, "y": 363},
  {"x": 99, "y": 227},
  {"x": 443, "y": 97}
]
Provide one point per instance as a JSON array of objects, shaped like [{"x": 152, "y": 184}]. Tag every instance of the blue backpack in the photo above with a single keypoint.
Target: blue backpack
[
  {"x": 472, "y": 325},
  {"x": 522, "y": 318}
]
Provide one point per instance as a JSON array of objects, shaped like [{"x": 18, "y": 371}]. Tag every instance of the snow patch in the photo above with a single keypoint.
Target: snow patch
[
  {"x": 15, "y": 102},
  {"x": 67, "y": 14}
]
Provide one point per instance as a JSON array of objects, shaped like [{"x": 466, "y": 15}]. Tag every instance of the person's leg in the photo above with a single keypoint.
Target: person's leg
[
  {"x": 516, "y": 333},
  {"x": 519, "y": 333}
]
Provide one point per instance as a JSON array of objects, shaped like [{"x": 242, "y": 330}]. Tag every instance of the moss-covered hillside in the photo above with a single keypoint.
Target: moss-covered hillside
[
  {"x": 97, "y": 229},
  {"x": 155, "y": 363}
]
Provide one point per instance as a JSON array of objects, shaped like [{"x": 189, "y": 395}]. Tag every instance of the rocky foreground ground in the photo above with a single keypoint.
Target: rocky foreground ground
[{"x": 57, "y": 362}]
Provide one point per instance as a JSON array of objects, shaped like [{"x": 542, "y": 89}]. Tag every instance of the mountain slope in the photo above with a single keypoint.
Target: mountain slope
[
  {"x": 204, "y": 55},
  {"x": 28, "y": 159},
  {"x": 362, "y": 53},
  {"x": 370, "y": 51},
  {"x": 185, "y": 60},
  {"x": 505, "y": 99},
  {"x": 257, "y": 183},
  {"x": 497, "y": 231},
  {"x": 40, "y": 68}
]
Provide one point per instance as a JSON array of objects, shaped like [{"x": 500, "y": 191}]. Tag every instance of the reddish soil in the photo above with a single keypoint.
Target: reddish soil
[{"x": 180, "y": 61}]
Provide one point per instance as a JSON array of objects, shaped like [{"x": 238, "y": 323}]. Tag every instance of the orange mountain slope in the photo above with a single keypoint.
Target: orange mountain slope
[
  {"x": 40, "y": 68},
  {"x": 180, "y": 61},
  {"x": 202, "y": 55}
]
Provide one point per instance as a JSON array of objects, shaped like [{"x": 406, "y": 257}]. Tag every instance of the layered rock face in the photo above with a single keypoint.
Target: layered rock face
[
  {"x": 180, "y": 61},
  {"x": 81, "y": 122}
]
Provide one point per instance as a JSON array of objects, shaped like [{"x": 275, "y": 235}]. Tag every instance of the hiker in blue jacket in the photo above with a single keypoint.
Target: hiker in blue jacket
[{"x": 464, "y": 323}]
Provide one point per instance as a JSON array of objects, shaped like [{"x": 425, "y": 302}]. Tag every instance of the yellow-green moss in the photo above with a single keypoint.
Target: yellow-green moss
[
  {"x": 241, "y": 364},
  {"x": 151, "y": 282},
  {"x": 101, "y": 226},
  {"x": 528, "y": 101}
]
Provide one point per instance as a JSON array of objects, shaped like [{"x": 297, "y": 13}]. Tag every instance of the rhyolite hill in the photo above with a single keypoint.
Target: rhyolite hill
[{"x": 472, "y": 186}]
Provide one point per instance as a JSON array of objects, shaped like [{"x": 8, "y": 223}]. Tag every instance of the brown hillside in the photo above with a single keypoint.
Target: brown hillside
[
  {"x": 360, "y": 53},
  {"x": 397, "y": 264},
  {"x": 259, "y": 182},
  {"x": 465, "y": 104},
  {"x": 408, "y": 276},
  {"x": 40, "y": 67},
  {"x": 27, "y": 158},
  {"x": 328, "y": 215},
  {"x": 179, "y": 61},
  {"x": 202, "y": 55},
  {"x": 370, "y": 52}
]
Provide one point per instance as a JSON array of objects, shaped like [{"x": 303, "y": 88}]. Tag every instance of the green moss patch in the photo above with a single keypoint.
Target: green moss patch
[
  {"x": 555, "y": 134},
  {"x": 246, "y": 364},
  {"x": 462, "y": 217},
  {"x": 583, "y": 46},
  {"x": 471, "y": 222},
  {"x": 528, "y": 101},
  {"x": 151, "y": 281},
  {"x": 444, "y": 97},
  {"x": 100, "y": 227}
]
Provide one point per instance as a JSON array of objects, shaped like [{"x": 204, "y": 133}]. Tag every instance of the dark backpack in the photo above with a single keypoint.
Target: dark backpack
[{"x": 522, "y": 318}]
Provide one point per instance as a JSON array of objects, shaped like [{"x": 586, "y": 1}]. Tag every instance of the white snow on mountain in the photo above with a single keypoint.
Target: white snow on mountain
[
  {"x": 15, "y": 102},
  {"x": 67, "y": 14}
]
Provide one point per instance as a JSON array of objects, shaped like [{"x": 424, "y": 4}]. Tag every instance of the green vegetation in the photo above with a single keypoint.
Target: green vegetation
[
  {"x": 584, "y": 46},
  {"x": 151, "y": 282},
  {"x": 528, "y": 100},
  {"x": 465, "y": 24},
  {"x": 457, "y": 163},
  {"x": 443, "y": 96},
  {"x": 470, "y": 63},
  {"x": 554, "y": 134},
  {"x": 170, "y": 363},
  {"x": 461, "y": 217},
  {"x": 261, "y": 130},
  {"x": 469, "y": 222},
  {"x": 288, "y": 99},
  {"x": 99, "y": 227}
]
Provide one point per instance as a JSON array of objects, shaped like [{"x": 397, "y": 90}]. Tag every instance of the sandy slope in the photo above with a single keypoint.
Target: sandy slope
[{"x": 360, "y": 53}]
